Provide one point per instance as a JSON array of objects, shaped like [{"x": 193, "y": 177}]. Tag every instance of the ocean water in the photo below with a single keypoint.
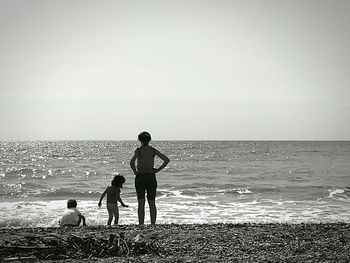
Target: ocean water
[{"x": 205, "y": 182}]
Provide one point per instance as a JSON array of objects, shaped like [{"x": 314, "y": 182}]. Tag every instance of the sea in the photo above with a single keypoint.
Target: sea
[{"x": 205, "y": 182}]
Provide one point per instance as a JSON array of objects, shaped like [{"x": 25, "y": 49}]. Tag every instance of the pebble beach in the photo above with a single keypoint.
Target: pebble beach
[{"x": 246, "y": 242}]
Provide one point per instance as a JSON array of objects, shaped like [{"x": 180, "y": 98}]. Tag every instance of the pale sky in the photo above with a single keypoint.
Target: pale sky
[{"x": 216, "y": 70}]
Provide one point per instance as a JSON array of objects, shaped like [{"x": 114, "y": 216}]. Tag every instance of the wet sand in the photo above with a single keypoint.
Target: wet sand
[{"x": 179, "y": 243}]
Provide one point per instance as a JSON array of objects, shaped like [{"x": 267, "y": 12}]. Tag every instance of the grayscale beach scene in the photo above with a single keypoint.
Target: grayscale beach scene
[{"x": 174, "y": 131}]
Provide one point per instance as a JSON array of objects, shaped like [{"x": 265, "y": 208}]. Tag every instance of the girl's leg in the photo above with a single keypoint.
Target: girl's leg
[
  {"x": 141, "y": 211},
  {"x": 116, "y": 214},
  {"x": 153, "y": 211},
  {"x": 110, "y": 214},
  {"x": 110, "y": 218}
]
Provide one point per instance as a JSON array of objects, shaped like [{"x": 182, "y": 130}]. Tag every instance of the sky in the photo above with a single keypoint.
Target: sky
[{"x": 182, "y": 70}]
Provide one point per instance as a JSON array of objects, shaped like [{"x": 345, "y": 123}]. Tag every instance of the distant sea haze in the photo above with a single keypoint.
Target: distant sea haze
[{"x": 205, "y": 182}]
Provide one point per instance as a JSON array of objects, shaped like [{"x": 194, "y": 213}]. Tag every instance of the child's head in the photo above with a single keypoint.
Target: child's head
[
  {"x": 118, "y": 181},
  {"x": 71, "y": 203},
  {"x": 144, "y": 138}
]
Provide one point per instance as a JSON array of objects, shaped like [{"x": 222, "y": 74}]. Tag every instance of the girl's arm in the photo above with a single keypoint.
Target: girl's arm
[
  {"x": 102, "y": 196},
  {"x": 120, "y": 200},
  {"x": 165, "y": 161}
]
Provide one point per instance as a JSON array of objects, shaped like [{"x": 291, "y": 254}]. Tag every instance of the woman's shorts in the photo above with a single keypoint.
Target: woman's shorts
[{"x": 146, "y": 182}]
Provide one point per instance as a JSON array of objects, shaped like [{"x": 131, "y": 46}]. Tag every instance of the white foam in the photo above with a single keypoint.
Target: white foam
[
  {"x": 175, "y": 209},
  {"x": 243, "y": 191},
  {"x": 339, "y": 192}
]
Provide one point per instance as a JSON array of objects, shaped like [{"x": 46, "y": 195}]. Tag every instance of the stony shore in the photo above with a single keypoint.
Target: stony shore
[{"x": 179, "y": 243}]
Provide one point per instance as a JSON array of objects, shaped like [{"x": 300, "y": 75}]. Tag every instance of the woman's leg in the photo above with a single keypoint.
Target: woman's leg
[
  {"x": 141, "y": 211},
  {"x": 151, "y": 197},
  {"x": 153, "y": 211},
  {"x": 140, "y": 191}
]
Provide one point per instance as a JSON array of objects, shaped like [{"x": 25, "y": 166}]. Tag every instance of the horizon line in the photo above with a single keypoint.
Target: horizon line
[{"x": 160, "y": 140}]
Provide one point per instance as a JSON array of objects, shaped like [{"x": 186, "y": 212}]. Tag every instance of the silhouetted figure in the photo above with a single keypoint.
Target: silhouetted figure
[
  {"x": 113, "y": 196},
  {"x": 146, "y": 175}
]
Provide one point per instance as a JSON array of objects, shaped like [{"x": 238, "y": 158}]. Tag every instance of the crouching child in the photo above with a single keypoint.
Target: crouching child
[{"x": 72, "y": 217}]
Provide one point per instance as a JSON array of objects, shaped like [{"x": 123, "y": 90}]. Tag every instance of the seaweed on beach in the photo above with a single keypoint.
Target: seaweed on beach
[
  {"x": 74, "y": 243},
  {"x": 180, "y": 243}
]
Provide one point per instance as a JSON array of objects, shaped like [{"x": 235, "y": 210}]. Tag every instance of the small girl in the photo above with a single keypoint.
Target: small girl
[{"x": 113, "y": 196}]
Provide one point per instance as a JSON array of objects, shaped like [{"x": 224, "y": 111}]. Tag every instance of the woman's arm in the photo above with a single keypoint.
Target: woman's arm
[
  {"x": 132, "y": 164},
  {"x": 165, "y": 161}
]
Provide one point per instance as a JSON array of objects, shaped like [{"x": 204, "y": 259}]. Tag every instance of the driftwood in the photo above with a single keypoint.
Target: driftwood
[
  {"x": 181, "y": 243},
  {"x": 16, "y": 259},
  {"x": 72, "y": 245},
  {"x": 25, "y": 248}
]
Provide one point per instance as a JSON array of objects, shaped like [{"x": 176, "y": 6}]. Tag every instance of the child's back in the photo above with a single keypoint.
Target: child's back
[
  {"x": 112, "y": 194},
  {"x": 72, "y": 216}
]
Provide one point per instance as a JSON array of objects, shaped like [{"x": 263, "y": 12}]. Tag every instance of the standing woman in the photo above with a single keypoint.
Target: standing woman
[{"x": 146, "y": 175}]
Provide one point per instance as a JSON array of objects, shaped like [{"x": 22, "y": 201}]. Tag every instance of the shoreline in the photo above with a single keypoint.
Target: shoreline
[{"x": 245, "y": 242}]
